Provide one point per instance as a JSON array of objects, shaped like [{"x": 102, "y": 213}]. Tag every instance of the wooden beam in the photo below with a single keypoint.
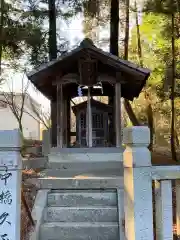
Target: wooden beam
[
  {"x": 73, "y": 134},
  {"x": 65, "y": 79},
  {"x": 53, "y": 124},
  {"x": 89, "y": 120},
  {"x": 118, "y": 113},
  {"x": 68, "y": 121},
  {"x": 65, "y": 123},
  {"x": 60, "y": 115}
]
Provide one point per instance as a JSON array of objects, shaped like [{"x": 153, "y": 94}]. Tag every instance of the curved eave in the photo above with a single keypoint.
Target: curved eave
[{"x": 135, "y": 76}]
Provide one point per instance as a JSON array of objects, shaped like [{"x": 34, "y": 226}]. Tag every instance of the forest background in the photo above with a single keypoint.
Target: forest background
[{"x": 145, "y": 32}]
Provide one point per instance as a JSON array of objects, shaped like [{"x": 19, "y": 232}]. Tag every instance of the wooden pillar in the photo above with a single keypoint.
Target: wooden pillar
[
  {"x": 89, "y": 121},
  {"x": 53, "y": 123},
  {"x": 111, "y": 121},
  {"x": 68, "y": 122},
  {"x": 60, "y": 111},
  {"x": 118, "y": 114},
  {"x": 65, "y": 123}
]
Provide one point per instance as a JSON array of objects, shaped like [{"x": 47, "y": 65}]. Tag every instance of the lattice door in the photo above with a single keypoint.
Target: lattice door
[{"x": 98, "y": 129}]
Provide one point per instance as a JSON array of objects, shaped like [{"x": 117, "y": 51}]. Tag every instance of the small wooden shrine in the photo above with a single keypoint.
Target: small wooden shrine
[
  {"x": 88, "y": 71},
  {"x": 101, "y": 114}
]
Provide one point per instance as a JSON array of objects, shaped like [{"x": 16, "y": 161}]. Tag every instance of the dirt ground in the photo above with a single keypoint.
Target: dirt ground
[
  {"x": 29, "y": 192},
  {"x": 162, "y": 156}
]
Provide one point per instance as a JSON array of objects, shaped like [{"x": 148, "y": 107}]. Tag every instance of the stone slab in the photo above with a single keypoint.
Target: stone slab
[
  {"x": 79, "y": 231},
  {"x": 81, "y": 182},
  {"x": 108, "y": 150},
  {"x": 81, "y": 172},
  {"x": 35, "y": 163},
  {"x": 86, "y": 165},
  {"x": 10, "y": 139},
  {"x": 37, "y": 213},
  {"x": 91, "y": 155},
  {"x": 34, "y": 150},
  {"x": 81, "y": 214},
  {"x": 82, "y": 198}
]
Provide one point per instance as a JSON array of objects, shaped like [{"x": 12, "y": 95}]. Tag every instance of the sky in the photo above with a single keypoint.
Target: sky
[{"x": 74, "y": 33}]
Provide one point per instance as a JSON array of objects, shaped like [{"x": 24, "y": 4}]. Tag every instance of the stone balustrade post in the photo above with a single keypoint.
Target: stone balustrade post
[
  {"x": 46, "y": 142},
  {"x": 137, "y": 184},
  {"x": 10, "y": 185}
]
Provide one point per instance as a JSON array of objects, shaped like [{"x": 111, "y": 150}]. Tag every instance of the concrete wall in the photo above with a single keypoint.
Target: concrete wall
[{"x": 31, "y": 126}]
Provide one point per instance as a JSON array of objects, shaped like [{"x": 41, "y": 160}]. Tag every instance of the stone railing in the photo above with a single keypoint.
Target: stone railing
[
  {"x": 10, "y": 185},
  {"x": 139, "y": 178}
]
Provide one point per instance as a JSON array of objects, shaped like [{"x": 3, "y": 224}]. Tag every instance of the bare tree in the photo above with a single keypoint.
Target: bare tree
[
  {"x": 16, "y": 101},
  {"x": 1, "y": 30},
  {"x": 149, "y": 109},
  {"x": 43, "y": 116},
  {"x": 127, "y": 104},
  {"x": 17, "y": 104}
]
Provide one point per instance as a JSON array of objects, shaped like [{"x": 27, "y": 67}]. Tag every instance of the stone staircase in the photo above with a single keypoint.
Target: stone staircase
[{"x": 79, "y": 214}]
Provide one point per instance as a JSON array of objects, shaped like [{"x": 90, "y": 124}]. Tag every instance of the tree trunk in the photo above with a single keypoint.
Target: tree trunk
[
  {"x": 52, "y": 30},
  {"x": 1, "y": 32},
  {"x": 130, "y": 113},
  {"x": 173, "y": 142},
  {"x": 149, "y": 110},
  {"x": 150, "y": 124},
  {"x": 114, "y": 49},
  {"x": 21, "y": 128},
  {"x": 126, "y": 39},
  {"x": 138, "y": 37},
  {"x": 52, "y": 55},
  {"x": 114, "y": 27},
  {"x": 127, "y": 104},
  {"x": 177, "y": 139}
]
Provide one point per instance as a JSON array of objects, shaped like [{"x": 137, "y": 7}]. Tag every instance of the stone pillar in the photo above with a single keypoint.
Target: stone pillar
[
  {"x": 46, "y": 142},
  {"x": 137, "y": 184},
  {"x": 10, "y": 185}
]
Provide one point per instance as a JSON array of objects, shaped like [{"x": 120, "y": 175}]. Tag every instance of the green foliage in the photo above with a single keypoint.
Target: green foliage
[
  {"x": 156, "y": 42},
  {"x": 25, "y": 30},
  {"x": 22, "y": 32},
  {"x": 159, "y": 6},
  {"x": 154, "y": 47}
]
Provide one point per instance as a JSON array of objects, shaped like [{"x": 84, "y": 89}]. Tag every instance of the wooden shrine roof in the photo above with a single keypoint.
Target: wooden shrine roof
[
  {"x": 94, "y": 103},
  {"x": 132, "y": 77}
]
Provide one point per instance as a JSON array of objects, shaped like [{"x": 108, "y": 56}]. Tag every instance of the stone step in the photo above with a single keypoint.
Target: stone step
[
  {"x": 82, "y": 198},
  {"x": 81, "y": 214},
  {"x": 79, "y": 231},
  {"x": 64, "y": 173},
  {"x": 76, "y": 165},
  {"x": 79, "y": 182},
  {"x": 86, "y": 159}
]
